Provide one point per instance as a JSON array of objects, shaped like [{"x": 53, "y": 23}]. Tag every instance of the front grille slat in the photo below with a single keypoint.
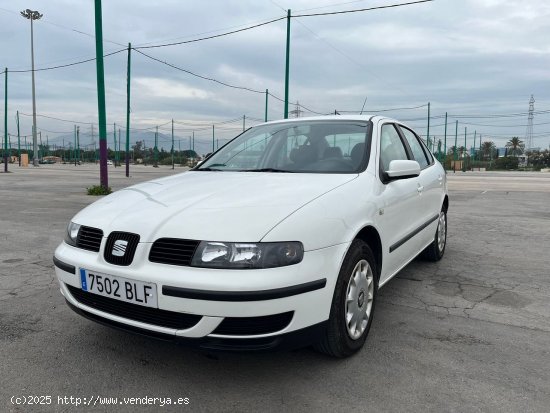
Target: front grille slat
[
  {"x": 248, "y": 326},
  {"x": 148, "y": 315},
  {"x": 89, "y": 238},
  {"x": 173, "y": 251}
]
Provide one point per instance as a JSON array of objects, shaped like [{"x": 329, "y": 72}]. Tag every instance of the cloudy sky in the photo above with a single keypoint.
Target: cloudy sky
[{"x": 471, "y": 58}]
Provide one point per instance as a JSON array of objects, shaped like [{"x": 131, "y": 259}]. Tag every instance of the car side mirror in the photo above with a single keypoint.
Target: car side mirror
[{"x": 402, "y": 169}]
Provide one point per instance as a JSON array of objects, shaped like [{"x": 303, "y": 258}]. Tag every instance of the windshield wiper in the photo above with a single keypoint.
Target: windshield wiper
[{"x": 267, "y": 170}]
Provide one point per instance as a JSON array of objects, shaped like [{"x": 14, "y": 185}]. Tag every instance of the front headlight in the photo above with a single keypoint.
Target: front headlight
[
  {"x": 72, "y": 233},
  {"x": 246, "y": 255}
]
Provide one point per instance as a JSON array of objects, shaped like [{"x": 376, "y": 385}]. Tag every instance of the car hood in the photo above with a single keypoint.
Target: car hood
[{"x": 215, "y": 206}]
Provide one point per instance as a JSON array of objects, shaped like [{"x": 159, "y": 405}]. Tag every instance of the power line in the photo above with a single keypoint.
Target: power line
[
  {"x": 66, "y": 65},
  {"x": 388, "y": 6},
  {"x": 197, "y": 75},
  {"x": 214, "y": 36},
  {"x": 330, "y": 5}
]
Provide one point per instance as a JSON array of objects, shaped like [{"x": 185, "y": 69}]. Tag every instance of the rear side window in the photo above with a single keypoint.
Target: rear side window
[
  {"x": 416, "y": 148},
  {"x": 391, "y": 146}
]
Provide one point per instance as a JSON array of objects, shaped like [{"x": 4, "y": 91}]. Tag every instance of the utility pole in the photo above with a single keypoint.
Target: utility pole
[
  {"x": 114, "y": 139},
  {"x": 172, "y": 143},
  {"x": 480, "y": 154},
  {"x": 102, "y": 116},
  {"x": 78, "y": 142},
  {"x": 193, "y": 148},
  {"x": 33, "y": 15},
  {"x": 128, "y": 112},
  {"x": 445, "y": 144},
  {"x": 455, "y": 148},
  {"x": 18, "y": 140},
  {"x": 464, "y": 153},
  {"x": 118, "y": 153},
  {"x": 213, "y": 149},
  {"x": 287, "y": 67},
  {"x": 244, "y": 123},
  {"x": 428, "y": 130},
  {"x": 74, "y": 150},
  {"x": 474, "y": 147},
  {"x": 6, "y": 121},
  {"x": 155, "y": 149},
  {"x": 266, "y": 98}
]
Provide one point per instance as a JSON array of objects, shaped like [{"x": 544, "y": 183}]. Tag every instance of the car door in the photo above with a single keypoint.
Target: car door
[
  {"x": 399, "y": 212},
  {"x": 430, "y": 185}
]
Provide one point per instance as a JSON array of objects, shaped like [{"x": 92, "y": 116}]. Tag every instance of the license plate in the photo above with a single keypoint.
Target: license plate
[{"x": 119, "y": 288}]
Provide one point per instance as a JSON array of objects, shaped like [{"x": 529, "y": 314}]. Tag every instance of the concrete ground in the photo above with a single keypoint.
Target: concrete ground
[{"x": 470, "y": 333}]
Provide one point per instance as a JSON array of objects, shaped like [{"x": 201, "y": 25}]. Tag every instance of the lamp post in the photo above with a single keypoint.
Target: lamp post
[{"x": 33, "y": 15}]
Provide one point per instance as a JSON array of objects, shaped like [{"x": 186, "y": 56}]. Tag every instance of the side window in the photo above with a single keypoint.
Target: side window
[
  {"x": 391, "y": 146},
  {"x": 416, "y": 148}
]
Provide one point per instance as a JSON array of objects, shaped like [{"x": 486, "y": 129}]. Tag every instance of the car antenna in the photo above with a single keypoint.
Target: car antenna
[{"x": 364, "y": 103}]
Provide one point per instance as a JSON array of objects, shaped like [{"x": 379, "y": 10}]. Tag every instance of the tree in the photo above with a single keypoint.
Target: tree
[
  {"x": 515, "y": 146},
  {"x": 487, "y": 149}
]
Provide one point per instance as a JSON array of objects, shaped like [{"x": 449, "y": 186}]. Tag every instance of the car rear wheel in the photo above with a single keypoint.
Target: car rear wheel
[
  {"x": 353, "y": 303},
  {"x": 436, "y": 249}
]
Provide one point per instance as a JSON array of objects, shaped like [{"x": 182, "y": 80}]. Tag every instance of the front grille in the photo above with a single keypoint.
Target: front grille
[
  {"x": 173, "y": 251},
  {"x": 248, "y": 326},
  {"x": 135, "y": 312},
  {"x": 89, "y": 238},
  {"x": 128, "y": 250}
]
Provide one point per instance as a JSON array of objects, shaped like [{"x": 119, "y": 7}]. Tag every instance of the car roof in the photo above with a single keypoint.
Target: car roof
[{"x": 363, "y": 118}]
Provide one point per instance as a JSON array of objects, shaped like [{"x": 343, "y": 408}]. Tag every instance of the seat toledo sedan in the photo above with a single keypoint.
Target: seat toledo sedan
[{"x": 281, "y": 238}]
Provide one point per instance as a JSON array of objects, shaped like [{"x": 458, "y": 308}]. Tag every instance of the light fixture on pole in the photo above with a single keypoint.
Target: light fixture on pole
[{"x": 33, "y": 15}]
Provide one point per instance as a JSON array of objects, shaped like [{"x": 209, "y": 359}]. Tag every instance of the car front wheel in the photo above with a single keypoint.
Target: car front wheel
[{"x": 352, "y": 304}]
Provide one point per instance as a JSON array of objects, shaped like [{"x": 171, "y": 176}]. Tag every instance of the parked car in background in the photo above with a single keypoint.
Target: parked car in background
[{"x": 281, "y": 238}]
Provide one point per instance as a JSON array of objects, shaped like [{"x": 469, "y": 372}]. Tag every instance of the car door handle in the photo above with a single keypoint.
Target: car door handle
[{"x": 420, "y": 188}]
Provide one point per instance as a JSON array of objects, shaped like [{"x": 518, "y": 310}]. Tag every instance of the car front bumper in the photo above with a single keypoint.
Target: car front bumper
[{"x": 304, "y": 289}]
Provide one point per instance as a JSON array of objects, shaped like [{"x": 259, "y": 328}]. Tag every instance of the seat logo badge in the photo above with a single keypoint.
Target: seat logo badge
[{"x": 119, "y": 248}]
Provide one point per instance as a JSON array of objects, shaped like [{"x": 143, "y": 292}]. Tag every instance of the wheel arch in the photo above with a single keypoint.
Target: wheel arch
[
  {"x": 371, "y": 237},
  {"x": 445, "y": 206}
]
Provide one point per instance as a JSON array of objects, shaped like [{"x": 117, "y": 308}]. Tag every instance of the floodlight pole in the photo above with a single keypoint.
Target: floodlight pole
[
  {"x": 102, "y": 116},
  {"x": 33, "y": 15}
]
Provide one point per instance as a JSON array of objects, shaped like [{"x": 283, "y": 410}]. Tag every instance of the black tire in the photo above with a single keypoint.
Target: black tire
[
  {"x": 434, "y": 251},
  {"x": 337, "y": 341}
]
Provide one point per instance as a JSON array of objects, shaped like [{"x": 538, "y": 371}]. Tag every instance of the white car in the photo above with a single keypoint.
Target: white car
[{"x": 281, "y": 238}]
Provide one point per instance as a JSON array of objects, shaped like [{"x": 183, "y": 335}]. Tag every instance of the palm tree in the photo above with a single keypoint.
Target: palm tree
[
  {"x": 515, "y": 146},
  {"x": 487, "y": 149}
]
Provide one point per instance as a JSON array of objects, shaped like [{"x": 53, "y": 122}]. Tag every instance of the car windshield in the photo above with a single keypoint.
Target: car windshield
[{"x": 336, "y": 146}]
